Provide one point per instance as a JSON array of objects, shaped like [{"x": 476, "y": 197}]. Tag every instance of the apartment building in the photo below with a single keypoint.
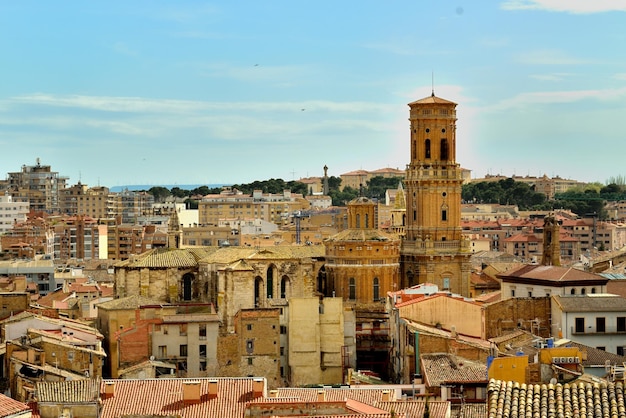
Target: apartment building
[
  {"x": 595, "y": 320},
  {"x": 76, "y": 238},
  {"x": 95, "y": 202},
  {"x": 233, "y": 204},
  {"x": 11, "y": 212},
  {"x": 38, "y": 185}
]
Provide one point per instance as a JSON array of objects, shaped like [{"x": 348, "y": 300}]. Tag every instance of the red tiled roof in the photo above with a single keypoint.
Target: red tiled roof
[
  {"x": 367, "y": 396},
  {"x": 443, "y": 368},
  {"x": 554, "y": 274},
  {"x": 10, "y": 407},
  {"x": 147, "y": 397}
]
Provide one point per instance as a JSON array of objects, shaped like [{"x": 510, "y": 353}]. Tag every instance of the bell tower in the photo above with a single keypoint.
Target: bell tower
[{"x": 434, "y": 250}]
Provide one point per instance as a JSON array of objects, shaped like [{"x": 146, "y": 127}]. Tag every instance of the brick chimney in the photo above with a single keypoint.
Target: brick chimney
[
  {"x": 258, "y": 387},
  {"x": 191, "y": 391},
  {"x": 212, "y": 388},
  {"x": 321, "y": 395},
  {"x": 387, "y": 396},
  {"x": 109, "y": 389}
]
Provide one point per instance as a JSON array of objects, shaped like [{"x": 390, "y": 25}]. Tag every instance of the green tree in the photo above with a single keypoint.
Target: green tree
[
  {"x": 178, "y": 192},
  {"x": 159, "y": 193}
]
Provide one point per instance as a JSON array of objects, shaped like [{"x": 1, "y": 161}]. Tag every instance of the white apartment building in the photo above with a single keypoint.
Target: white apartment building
[
  {"x": 10, "y": 212},
  {"x": 595, "y": 320}
]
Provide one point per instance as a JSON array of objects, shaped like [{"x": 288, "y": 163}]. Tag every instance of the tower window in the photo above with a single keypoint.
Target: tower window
[
  {"x": 427, "y": 148},
  {"x": 352, "y": 289},
  {"x": 444, "y": 149},
  {"x": 444, "y": 215}
]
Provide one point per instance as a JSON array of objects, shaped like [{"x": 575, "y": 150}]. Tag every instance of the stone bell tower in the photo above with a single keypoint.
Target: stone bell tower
[{"x": 433, "y": 250}]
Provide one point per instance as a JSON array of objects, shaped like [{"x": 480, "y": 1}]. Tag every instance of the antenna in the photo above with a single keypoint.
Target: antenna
[{"x": 432, "y": 82}]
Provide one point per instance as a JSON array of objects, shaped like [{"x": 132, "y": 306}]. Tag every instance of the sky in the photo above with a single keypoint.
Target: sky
[{"x": 183, "y": 92}]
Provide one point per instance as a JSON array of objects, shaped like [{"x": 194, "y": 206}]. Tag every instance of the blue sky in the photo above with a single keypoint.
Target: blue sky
[{"x": 199, "y": 92}]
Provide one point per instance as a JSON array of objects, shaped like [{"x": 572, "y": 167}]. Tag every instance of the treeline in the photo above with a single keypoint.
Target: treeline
[
  {"x": 374, "y": 189},
  {"x": 589, "y": 200}
]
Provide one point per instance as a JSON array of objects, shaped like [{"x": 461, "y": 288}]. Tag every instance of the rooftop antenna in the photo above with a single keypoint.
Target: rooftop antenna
[{"x": 432, "y": 83}]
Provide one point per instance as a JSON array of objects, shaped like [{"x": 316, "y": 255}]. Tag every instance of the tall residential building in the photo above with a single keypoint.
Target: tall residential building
[
  {"x": 95, "y": 202},
  {"x": 234, "y": 205},
  {"x": 434, "y": 250},
  {"x": 11, "y": 212},
  {"x": 39, "y": 185}
]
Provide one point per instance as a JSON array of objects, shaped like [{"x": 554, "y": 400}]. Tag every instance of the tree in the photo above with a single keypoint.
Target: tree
[{"x": 159, "y": 193}]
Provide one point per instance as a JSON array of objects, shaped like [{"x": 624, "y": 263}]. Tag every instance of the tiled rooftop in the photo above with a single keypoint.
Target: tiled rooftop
[
  {"x": 129, "y": 302},
  {"x": 69, "y": 391},
  {"x": 591, "y": 303},
  {"x": 444, "y": 368},
  {"x": 156, "y": 397},
  {"x": 552, "y": 274},
  {"x": 10, "y": 407},
  {"x": 511, "y": 399}
]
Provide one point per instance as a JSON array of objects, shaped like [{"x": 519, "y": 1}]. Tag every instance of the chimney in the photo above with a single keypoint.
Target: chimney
[
  {"x": 212, "y": 388},
  {"x": 191, "y": 391},
  {"x": 273, "y": 393},
  {"x": 258, "y": 387},
  {"x": 109, "y": 389},
  {"x": 387, "y": 396},
  {"x": 321, "y": 395}
]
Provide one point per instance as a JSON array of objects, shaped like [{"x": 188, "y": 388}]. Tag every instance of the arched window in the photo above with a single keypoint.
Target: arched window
[
  {"x": 444, "y": 149},
  {"x": 358, "y": 221},
  {"x": 187, "y": 286},
  {"x": 352, "y": 289},
  {"x": 427, "y": 148},
  {"x": 284, "y": 287},
  {"x": 573, "y": 291},
  {"x": 367, "y": 220},
  {"x": 593, "y": 290},
  {"x": 583, "y": 291},
  {"x": 270, "y": 281},
  {"x": 258, "y": 289},
  {"x": 376, "y": 290}
]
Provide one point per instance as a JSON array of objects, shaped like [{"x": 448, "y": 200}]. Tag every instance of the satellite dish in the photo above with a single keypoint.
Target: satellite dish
[{"x": 151, "y": 358}]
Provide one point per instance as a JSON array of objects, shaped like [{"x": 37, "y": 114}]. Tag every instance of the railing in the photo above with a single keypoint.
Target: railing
[
  {"x": 422, "y": 173},
  {"x": 435, "y": 246},
  {"x": 592, "y": 331}
]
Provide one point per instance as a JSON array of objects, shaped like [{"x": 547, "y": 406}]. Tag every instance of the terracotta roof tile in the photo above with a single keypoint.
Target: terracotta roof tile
[
  {"x": 148, "y": 397},
  {"x": 10, "y": 407},
  {"x": 69, "y": 391},
  {"x": 511, "y": 399},
  {"x": 444, "y": 368}
]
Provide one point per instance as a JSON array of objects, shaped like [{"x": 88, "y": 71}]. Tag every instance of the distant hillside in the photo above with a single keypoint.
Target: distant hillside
[{"x": 135, "y": 187}]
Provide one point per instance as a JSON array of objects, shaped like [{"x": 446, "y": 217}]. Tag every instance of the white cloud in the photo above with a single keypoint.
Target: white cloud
[
  {"x": 548, "y": 57},
  {"x": 552, "y": 97},
  {"x": 568, "y": 6},
  {"x": 551, "y": 76}
]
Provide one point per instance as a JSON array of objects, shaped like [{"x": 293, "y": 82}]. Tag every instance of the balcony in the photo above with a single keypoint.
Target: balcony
[{"x": 435, "y": 247}]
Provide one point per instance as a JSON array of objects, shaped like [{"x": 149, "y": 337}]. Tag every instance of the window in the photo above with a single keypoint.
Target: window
[
  {"x": 249, "y": 346},
  {"x": 162, "y": 351},
  {"x": 444, "y": 215},
  {"x": 573, "y": 291},
  {"x": 601, "y": 348},
  {"x": 249, "y": 327},
  {"x": 249, "y": 361},
  {"x": 202, "y": 331},
  {"x": 183, "y": 350},
  {"x": 580, "y": 324},
  {"x": 512, "y": 293},
  {"x": 376, "y": 290},
  {"x": 352, "y": 289},
  {"x": 183, "y": 329},
  {"x": 427, "y": 148},
  {"x": 621, "y": 324},
  {"x": 283, "y": 329},
  {"x": 620, "y": 351},
  {"x": 202, "y": 350},
  {"x": 600, "y": 324}
]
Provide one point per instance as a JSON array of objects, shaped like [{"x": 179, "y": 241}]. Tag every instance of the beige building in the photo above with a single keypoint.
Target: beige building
[
  {"x": 359, "y": 178},
  {"x": 316, "y": 338},
  {"x": 434, "y": 249},
  {"x": 233, "y": 204},
  {"x": 38, "y": 185},
  {"x": 95, "y": 202}
]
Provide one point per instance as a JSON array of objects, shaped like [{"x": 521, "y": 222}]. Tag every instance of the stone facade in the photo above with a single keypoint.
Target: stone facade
[{"x": 434, "y": 250}]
